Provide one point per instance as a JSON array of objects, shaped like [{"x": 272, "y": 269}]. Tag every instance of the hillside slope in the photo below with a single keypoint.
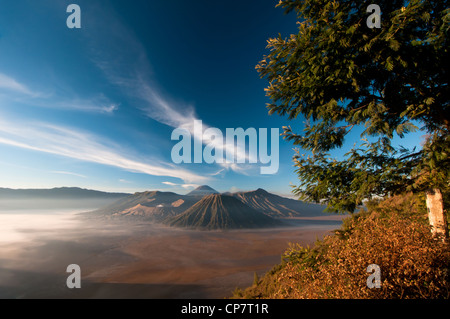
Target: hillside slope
[
  {"x": 277, "y": 206},
  {"x": 393, "y": 234},
  {"x": 154, "y": 205},
  {"x": 221, "y": 212}
]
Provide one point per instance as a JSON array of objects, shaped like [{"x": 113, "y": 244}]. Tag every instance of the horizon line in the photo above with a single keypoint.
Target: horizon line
[{"x": 143, "y": 191}]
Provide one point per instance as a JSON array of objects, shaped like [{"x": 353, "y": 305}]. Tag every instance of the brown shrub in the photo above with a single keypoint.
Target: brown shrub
[{"x": 413, "y": 264}]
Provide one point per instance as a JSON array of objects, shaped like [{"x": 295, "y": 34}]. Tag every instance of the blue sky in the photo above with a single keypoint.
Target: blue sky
[{"x": 95, "y": 107}]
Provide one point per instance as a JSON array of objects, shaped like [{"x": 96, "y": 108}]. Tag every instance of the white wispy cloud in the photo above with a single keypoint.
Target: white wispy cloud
[
  {"x": 167, "y": 113},
  {"x": 190, "y": 185},
  {"x": 16, "y": 91},
  {"x": 10, "y": 84},
  {"x": 125, "y": 181},
  {"x": 163, "y": 110},
  {"x": 83, "y": 146},
  {"x": 170, "y": 183},
  {"x": 90, "y": 105},
  {"x": 187, "y": 186},
  {"x": 174, "y": 114},
  {"x": 68, "y": 173},
  {"x": 242, "y": 168},
  {"x": 219, "y": 172},
  {"x": 130, "y": 70}
]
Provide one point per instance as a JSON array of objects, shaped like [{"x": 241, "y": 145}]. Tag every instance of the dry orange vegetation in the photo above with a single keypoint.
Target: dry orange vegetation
[{"x": 394, "y": 235}]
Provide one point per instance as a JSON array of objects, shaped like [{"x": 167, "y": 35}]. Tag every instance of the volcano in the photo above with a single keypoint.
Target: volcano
[
  {"x": 202, "y": 191},
  {"x": 152, "y": 206},
  {"x": 278, "y": 206},
  {"x": 218, "y": 211}
]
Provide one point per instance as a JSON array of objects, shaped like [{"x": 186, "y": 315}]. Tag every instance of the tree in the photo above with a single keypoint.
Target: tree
[{"x": 338, "y": 73}]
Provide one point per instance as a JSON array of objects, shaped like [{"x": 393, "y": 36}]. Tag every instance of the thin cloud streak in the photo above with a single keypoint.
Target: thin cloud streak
[
  {"x": 16, "y": 91},
  {"x": 85, "y": 147},
  {"x": 170, "y": 183},
  {"x": 134, "y": 79},
  {"x": 94, "y": 105},
  {"x": 68, "y": 173},
  {"x": 186, "y": 186},
  {"x": 165, "y": 112},
  {"x": 13, "y": 85}
]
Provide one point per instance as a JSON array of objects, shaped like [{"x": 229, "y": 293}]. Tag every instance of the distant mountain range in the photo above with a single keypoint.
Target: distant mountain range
[
  {"x": 56, "y": 193},
  {"x": 205, "y": 208},
  {"x": 55, "y": 199},
  {"x": 202, "y": 208}
]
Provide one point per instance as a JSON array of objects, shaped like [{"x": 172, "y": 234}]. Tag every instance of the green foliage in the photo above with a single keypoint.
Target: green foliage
[{"x": 337, "y": 74}]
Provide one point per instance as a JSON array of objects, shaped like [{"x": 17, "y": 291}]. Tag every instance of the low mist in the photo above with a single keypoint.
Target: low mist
[{"x": 131, "y": 259}]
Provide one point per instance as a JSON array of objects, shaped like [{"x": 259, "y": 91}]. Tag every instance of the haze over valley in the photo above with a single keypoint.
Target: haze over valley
[{"x": 151, "y": 244}]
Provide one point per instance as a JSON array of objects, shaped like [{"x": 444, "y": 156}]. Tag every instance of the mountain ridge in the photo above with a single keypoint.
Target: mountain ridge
[
  {"x": 278, "y": 206},
  {"x": 218, "y": 211},
  {"x": 149, "y": 205},
  {"x": 165, "y": 207},
  {"x": 56, "y": 192}
]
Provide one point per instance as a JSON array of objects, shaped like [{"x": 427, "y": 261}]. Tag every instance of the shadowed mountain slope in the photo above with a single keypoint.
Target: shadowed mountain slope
[
  {"x": 154, "y": 205},
  {"x": 221, "y": 212},
  {"x": 277, "y": 206}
]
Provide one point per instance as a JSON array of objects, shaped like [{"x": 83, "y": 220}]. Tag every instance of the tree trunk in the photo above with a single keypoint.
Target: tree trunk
[{"x": 436, "y": 214}]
